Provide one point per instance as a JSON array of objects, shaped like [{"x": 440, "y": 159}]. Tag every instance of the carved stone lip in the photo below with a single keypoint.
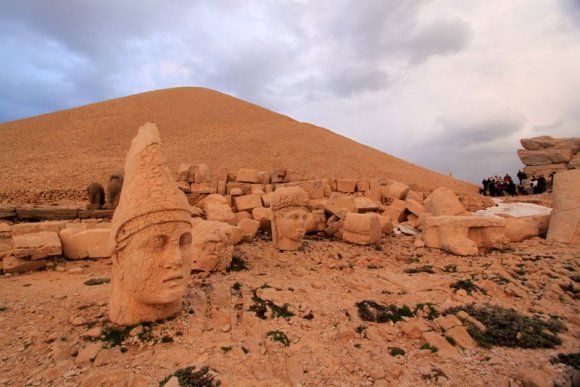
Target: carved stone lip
[{"x": 175, "y": 277}]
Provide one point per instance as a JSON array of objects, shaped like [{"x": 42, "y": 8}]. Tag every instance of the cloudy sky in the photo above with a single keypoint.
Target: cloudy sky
[{"x": 448, "y": 84}]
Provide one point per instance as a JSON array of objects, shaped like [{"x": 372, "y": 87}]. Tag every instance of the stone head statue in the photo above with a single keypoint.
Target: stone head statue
[
  {"x": 213, "y": 245},
  {"x": 289, "y": 209},
  {"x": 150, "y": 237}
]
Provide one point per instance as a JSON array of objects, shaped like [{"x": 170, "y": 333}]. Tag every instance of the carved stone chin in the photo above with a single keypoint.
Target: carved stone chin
[
  {"x": 150, "y": 237},
  {"x": 289, "y": 209}
]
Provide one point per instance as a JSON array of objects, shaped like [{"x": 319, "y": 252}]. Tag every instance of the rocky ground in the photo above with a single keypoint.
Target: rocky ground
[{"x": 54, "y": 328}]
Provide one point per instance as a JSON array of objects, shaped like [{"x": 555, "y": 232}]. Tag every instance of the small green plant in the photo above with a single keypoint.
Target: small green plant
[
  {"x": 238, "y": 264},
  {"x": 3, "y": 309},
  {"x": 500, "y": 279},
  {"x": 431, "y": 315},
  {"x": 570, "y": 288},
  {"x": 245, "y": 350},
  {"x": 187, "y": 377},
  {"x": 261, "y": 306},
  {"x": 508, "y": 328},
  {"x": 468, "y": 286},
  {"x": 309, "y": 316},
  {"x": 97, "y": 281},
  {"x": 226, "y": 349},
  {"x": 420, "y": 269},
  {"x": 430, "y": 347},
  {"x": 571, "y": 359},
  {"x": 115, "y": 335},
  {"x": 279, "y": 336},
  {"x": 167, "y": 339},
  {"x": 237, "y": 286},
  {"x": 396, "y": 351},
  {"x": 450, "y": 269},
  {"x": 451, "y": 340},
  {"x": 360, "y": 329},
  {"x": 372, "y": 311},
  {"x": 570, "y": 268},
  {"x": 434, "y": 375}
]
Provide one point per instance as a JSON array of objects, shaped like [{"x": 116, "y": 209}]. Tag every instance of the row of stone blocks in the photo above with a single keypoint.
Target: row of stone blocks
[
  {"x": 26, "y": 246},
  {"x": 544, "y": 155},
  {"x": 39, "y": 214}
]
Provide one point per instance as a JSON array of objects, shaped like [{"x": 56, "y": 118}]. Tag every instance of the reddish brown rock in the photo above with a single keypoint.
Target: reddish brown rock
[
  {"x": 346, "y": 185},
  {"x": 247, "y": 202},
  {"x": 36, "y": 245},
  {"x": 362, "y": 229}
]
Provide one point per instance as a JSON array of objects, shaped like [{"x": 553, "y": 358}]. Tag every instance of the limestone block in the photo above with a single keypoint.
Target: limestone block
[
  {"x": 5, "y": 245},
  {"x": 473, "y": 203},
  {"x": 416, "y": 196},
  {"x": 517, "y": 229},
  {"x": 236, "y": 192},
  {"x": 249, "y": 228},
  {"x": 415, "y": 207},
  {"x": 346, "y": 185},
  {"x": 12, "y": 264},
  {"x": 268, "y": 188},
  {"x": 316, "y": 221},
  {"x": 212, "y": 199},
  {"x": 546, "y": 170},
  {"x": 375, "y": 194},
  {"x": 314, "y": 188},
  {"x": 264, "y": 177},
  {"x": 327, "y": 187},
  {"x": 241, "y": 216},
  {"x": 28, "y": 228},
  {"x": 46, "y": 213},
  {"x": 378, "y": 183},
  {"x": 396, "y": 190},
  {"x": 565, "y": 221},
  {"x": 203, "y": 188},
  {"x": 362, "y": 229},
  {"x": 201, "y": 173},
  {"x": 396, "y": 211},
  {"x": 247, "y": 202},
  {"x": 447, "y": 322},
  {"x": 257, "y": 189},
  {"x": 81, "y": 244},
  {"x": 544, "y": 142},
  {"x": 462, "y": 235},
  {"x": 246, "y": 175},
  {"x": 221, "y": 187},
  {"x": 387, "y": 226},
  {"x": 220, "y": 213},
  {"x": 213, "y": 245},
  {"x": 7, "y": 212},
  {"x": 443, "y": 201},
  {"x": 278, "y": 176},
  {"x": 340, "y": 204},
  {"x": 542, "y": 222},
  {"x": 363, "y": 185},
  {"x": 267, "y": 199},
  {"x": 231, "y": 177},
  {"x": 222, "y": 175},
  {"x": 364, "y": 204},
  {"x": 545, "y": 156},
  {"x": 461, "y": 337},
  {"x": 444, "y": 348},
  {"x": 37, "y": 245},
  {"x": 264, "y": 216}
]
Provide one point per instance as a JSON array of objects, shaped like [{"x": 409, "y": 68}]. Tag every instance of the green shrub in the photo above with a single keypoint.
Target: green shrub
[
  {"x": 372, "y": 311},
  {"x": 189, "y": 378}
]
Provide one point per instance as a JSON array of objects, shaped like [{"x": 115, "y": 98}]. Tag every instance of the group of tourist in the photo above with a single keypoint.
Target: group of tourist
[{"x": 502, "y": 186}]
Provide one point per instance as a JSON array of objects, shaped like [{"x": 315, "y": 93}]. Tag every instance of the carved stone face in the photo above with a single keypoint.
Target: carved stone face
[
  {"x": 155, "y": 264},
  {"x": 212, "y": 246},
  {"x": 293, "y": 224}
]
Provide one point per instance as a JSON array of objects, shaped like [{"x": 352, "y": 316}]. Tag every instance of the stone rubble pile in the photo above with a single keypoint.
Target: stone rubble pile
[{"x": 544, "y": 155}]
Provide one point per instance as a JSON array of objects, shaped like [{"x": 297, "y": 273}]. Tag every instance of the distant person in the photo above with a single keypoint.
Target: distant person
[
  {"x": 507, "y": 178},
  {"x": 541, "y": 184},
  {"x": 534, "y": 185},
  {"x": 511, "y": 188},
  {"x": 552, "y": 179}
]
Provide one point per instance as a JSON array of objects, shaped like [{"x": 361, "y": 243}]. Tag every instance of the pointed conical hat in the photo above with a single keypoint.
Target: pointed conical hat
[{"x": 150, "y": 195}]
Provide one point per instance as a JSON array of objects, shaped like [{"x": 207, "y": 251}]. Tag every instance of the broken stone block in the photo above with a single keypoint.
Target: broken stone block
[
  {"x": 264, "y": 216},
  {"x": 12, "y": 264},
  {"x": 545, "y": 156},
  {"x": 334, "y": 227},
  {"x": 201, "y": 173},
  {"x": 474, "y": 203},
  {"x": 444, "y": 349},
  {"x": 414, "y": 207},
  {"x": 267, "y": 199},
  {"x": 462, "y": 235},
  {"x": 443, "y": 201},
  {"x": 185, "y": 173},
  {"x": 249, "y": 228},
  {"x": 221, "y": 187},
  {"x": 202, "y": 188},
  {"x": 466, "y": 318},
  {"x": 565, "y": 221},
  {"x": 375, "y": 194},
  {"x": 363, "y": 185},
  {"x": 461, "y": 337},
  {"x": 317, "y": 204},
  {"x": 257, "y": 189},
  {"x": 241, "y": 216},
  {"x": 395, "y": 190},
  {"x": 346, "y": 185},
  {"x": 247, "y": 202},
  {"x": 245, "y": 188},
  {"x": 378, "y": 183},
  {"x": 396, "y": 211},
  {"x": 416, "y": 196},
  {"x": 231, "y": 178},
  {"x": 518, "y": 230},
  {"x": 264, "y": 177},
  {"x": 387, "y": 226},
  {"x": 278, "y": 176},
  {"x": 222, "y": 175},
  {"x": 364, "y": 204},
  {"x": 327, "y": 187},
  {"x": 213, "y": 245},
  {"x": 29, "y": 228},
  {"x": 184, "y": 186},
  {"x": 81, "y": 244},
  {"x": 220, "y": 213},
  {"x": 236, "y": 192},
  {"x": 36, "y": 245},
  {"x": 315, "y": 221},
  {"x": 340, "y": 204},
  {"x": 447, "y": 322},
  {"x": 362, "y": 229},
  {"x": 314, "y": 188}
]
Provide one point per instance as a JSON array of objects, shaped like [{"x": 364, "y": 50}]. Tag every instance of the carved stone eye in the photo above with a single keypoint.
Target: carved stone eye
[
  {"x": 185, "y": 239},
  {"x": 160, "y": 241}
]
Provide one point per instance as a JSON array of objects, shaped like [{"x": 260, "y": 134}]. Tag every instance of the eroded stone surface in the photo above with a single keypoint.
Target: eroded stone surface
[
  {"x": 213, "y": 245},
  {"x": 36, "y": 245},
  {"x": 289, "y": 213},
  {"x": 565, "y": 220},
  {"x": 362, "y": 229},
  {"x": 150, "y": 237}
]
